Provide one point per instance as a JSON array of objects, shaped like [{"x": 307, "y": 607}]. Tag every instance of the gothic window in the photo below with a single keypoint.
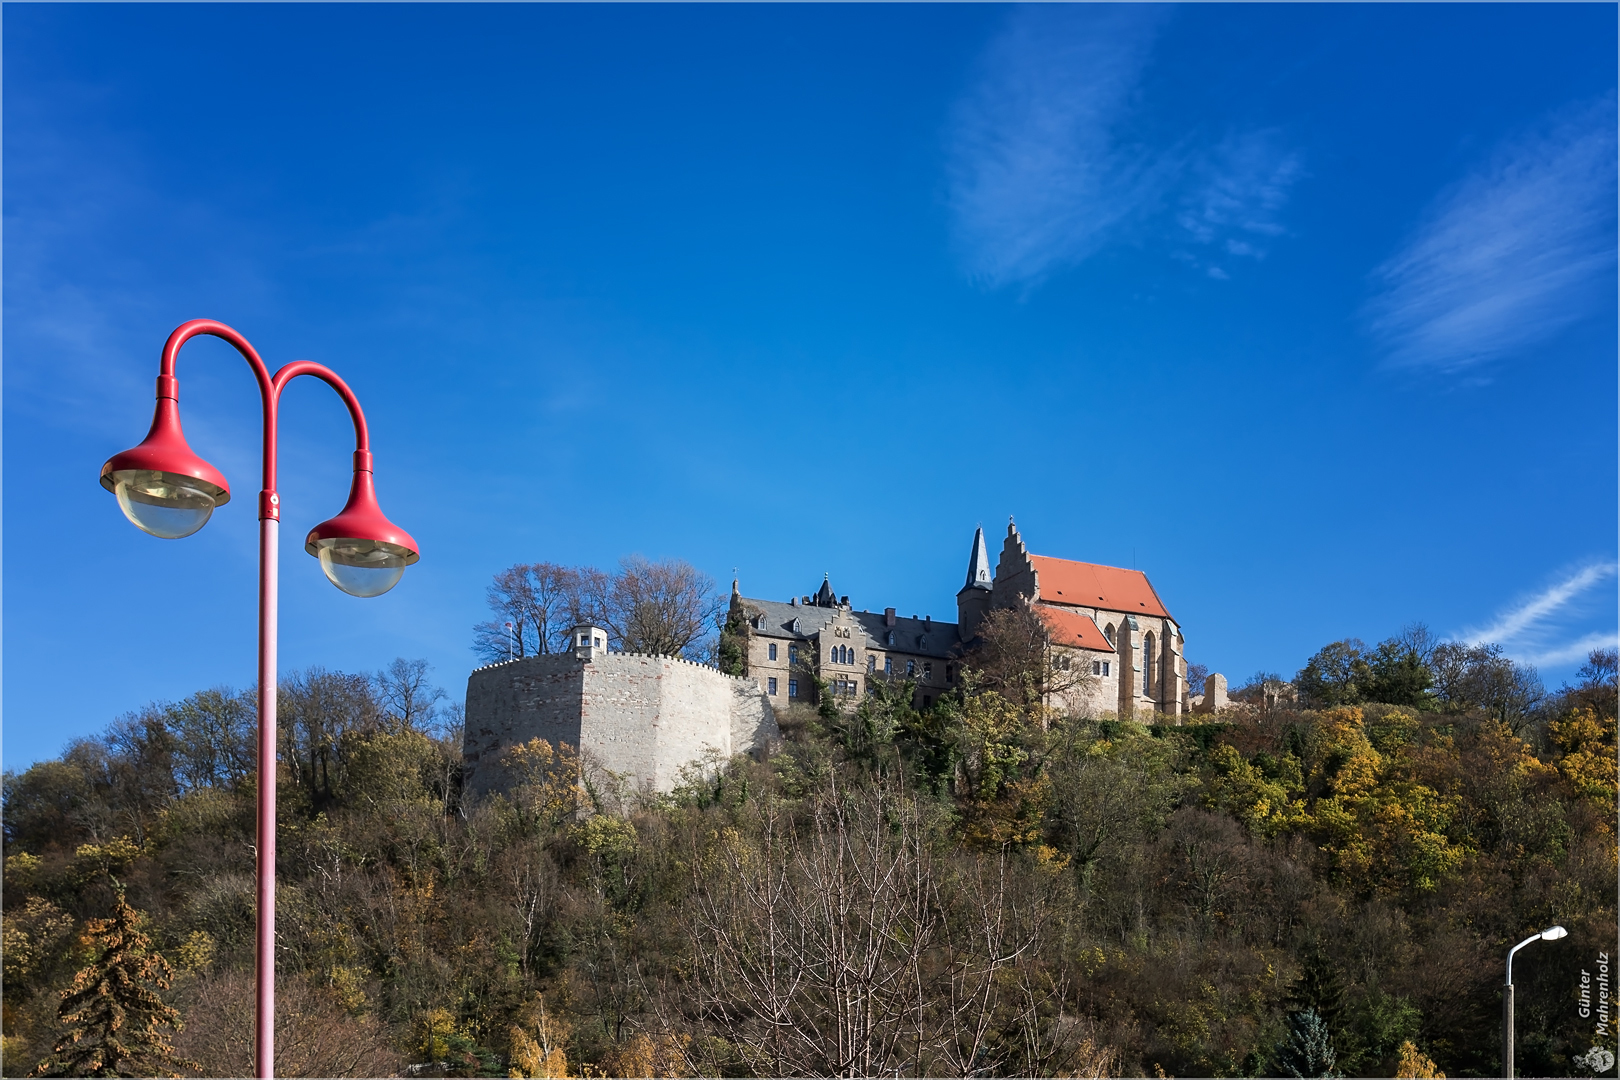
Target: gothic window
[
  {"x": 773, "y": 650},
  {"x": 1150, "y": 664},
  {"x": 891, "y": 637},
  {"x": 1108, "y": 632}
]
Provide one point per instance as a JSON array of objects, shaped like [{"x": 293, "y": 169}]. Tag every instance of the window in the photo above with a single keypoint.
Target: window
[
  {"x": 950, "y": 672},
  {"x": 773, "y": 650},
  {"x": 871, "y": 662},
  {"x": 890, "y": 638},
  {"x": 888, "y": 665},
  {"x": 1096, "y": 667},
  {"x": 1108, "y": 632},
  {"x": 927, "y": 702},
  {"x": 1150, "y": 666},
  {"x": 928, "y": 672},
  {"x": 770, "y": 687},
  {"x": 911, "y": 667},
  {"x": 1105, "y": 667},
  {"x": 793, "y": 688},
  {"x": 846, "y": 654},
  {"x": 793, "y": 657}
]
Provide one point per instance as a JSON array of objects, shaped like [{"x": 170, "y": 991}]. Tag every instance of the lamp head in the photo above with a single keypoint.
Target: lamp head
[
  {"x": 162, "y": 487},
  {"x": 1553, "y": 933},
  {"x": 361, "y": 551}
]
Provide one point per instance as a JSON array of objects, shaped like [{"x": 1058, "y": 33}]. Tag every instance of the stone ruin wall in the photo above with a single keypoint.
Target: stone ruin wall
[{"x": 641, "y": 716}]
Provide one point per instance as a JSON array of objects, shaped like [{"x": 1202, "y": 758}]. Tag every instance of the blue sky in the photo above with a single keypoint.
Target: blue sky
[{"x": 1308, "y": 311}]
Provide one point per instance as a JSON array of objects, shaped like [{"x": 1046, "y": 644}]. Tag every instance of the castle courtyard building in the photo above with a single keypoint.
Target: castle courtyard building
[{"x": 1109, "y": 620}]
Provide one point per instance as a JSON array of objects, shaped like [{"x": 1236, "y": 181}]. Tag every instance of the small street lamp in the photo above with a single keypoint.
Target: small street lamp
[
  {"x": 1552, "y": 933},
  {"x": 170, "y": 492}
]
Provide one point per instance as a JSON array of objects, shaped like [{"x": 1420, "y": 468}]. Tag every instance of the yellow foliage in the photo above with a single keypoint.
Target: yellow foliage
[
  {"x": 645, "y": 1055},
  {"x": 196, "y": 953},
  {"x": 549, "y": 781},
  {"x": 1415, "y": 1064},
  {"x": 27, "y": 936},
  {"x": 538, "y": 1041},
  {"x": 1587, "y": 742},
  {"x": 349, "y": 985},
  {"x": 433, "y": 1031}
]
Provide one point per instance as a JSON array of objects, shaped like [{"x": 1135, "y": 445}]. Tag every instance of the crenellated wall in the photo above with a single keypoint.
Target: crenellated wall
[{"x": 640, "y": 716}]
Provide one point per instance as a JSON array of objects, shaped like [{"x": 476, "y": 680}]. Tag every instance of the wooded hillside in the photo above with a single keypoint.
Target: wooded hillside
[{"x": 982, "y": 888}]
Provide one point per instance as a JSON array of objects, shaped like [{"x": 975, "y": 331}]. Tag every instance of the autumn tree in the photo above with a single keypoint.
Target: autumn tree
[{"x": 114, "y": 1017}]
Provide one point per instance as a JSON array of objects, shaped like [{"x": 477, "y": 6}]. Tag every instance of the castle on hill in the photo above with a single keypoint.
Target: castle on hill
[
  {"x": 645, "y": 718},
  {"x": 1109, "y": 621}
]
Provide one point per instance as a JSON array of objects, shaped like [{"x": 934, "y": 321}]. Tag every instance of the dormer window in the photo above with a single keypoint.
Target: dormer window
[{"x": 890, "y": 637}]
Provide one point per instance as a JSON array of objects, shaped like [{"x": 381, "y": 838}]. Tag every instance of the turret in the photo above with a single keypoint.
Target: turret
[{"x": 973, "y": 599}]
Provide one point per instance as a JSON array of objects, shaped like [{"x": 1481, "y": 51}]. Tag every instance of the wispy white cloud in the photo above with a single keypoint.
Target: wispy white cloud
[
  {"x": 1047, "y": 163},
  {"x": 1234, "y": 201},
  {"x": 1040, "y": 171},
  {"x": 1515, "y": 252},
  {"x": 1575, "y": 650},
  {"x": 1544, "y": 628}
]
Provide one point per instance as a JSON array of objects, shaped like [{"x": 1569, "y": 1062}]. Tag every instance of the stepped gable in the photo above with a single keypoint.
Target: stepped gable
[
  {"x": 1081, "y": 584},
  {"x": 1073, "y": 628}
]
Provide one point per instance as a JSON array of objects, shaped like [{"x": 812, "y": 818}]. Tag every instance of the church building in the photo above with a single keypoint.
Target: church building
[{"x": 1108, "y": 620}]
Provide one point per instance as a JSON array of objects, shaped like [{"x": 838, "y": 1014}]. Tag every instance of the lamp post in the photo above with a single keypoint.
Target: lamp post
[
  {"x": 170, "y": 492},
  {"x": 1552, "y": 933}
]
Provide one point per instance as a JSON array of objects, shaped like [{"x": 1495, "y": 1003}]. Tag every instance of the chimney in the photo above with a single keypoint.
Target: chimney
[
  {"x": 888, "y": 616},
  {"x": 928, "y": 621}
]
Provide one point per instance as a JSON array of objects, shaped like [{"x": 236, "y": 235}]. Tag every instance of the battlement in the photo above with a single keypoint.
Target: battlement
[{"x": 642, "y": 716}]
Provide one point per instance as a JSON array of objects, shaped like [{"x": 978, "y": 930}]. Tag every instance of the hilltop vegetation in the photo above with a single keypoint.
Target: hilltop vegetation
[{"x": 984, "y": 887}]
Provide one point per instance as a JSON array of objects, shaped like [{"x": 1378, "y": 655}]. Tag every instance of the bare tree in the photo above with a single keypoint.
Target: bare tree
[
  {"x": 1015, "y": 657},
  {"x": 810, "y": 947},
  {"x": 667, "y": 608},
  {"x": 408, "y": 701}
]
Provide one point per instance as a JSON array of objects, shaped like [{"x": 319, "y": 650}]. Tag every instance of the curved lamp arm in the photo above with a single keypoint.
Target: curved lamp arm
[{"x": 168, "y": 386}]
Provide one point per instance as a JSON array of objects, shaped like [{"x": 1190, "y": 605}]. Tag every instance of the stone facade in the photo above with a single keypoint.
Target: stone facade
[
  {"x": 1109, "y": 620},
  {"x": 825, "y": 635},
  {"x": 640, "y": 717}
]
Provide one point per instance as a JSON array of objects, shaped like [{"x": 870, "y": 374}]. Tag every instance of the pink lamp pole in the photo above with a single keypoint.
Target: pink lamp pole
[{"x": 170, "y": 492}]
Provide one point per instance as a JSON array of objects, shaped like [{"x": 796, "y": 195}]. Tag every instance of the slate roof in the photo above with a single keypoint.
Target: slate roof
[{"x": 914, "y": 637}]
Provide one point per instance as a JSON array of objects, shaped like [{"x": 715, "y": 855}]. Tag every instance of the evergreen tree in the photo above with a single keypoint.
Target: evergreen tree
[
  {"x": 731, "y": 656},
  {"x": 114, "y": 1017},
  {"x": 1307, "y": 1050},
  {"x": 1319, "y": 989}
]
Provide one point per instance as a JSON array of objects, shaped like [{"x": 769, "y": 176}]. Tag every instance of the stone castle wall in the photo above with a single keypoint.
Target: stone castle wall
[{"x": 643, "y": 717}]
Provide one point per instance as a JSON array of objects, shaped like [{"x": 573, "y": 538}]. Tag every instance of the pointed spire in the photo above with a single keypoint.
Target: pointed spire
[
  {"x": 824, "y": 597},
  {"x": 978, "y": 574}
]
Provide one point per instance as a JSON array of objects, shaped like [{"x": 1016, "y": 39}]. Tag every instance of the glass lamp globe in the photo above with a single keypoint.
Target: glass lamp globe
[
  {"x": 167, "y": 505},
  {"x": 362, "y": 567},
  {"x": 1553, "y": 933}
]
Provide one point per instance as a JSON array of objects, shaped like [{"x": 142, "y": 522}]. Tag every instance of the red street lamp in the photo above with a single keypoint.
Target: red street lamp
[{"x": 170, "y": 492}]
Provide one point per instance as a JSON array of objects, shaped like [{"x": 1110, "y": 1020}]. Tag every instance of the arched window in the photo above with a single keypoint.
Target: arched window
[
  {"x": 1108, "y": 632},
  {"x": 1150, "y": 665}
]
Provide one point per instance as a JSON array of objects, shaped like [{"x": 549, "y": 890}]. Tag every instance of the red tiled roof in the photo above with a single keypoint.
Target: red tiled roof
[
  {"x": 1073, "y": 628},
  {"x": 1090, "y": 585}
]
